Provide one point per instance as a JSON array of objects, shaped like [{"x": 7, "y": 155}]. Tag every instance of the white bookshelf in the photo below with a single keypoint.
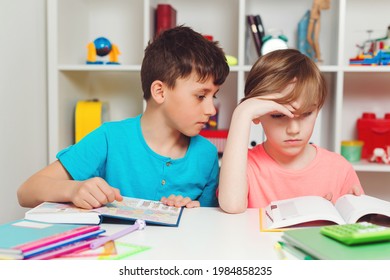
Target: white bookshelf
[{"x": 72, "y": 24}]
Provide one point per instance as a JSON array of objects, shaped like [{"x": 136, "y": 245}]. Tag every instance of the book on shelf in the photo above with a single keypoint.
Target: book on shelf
[
  {"x": 21, "y": 237},
  {"x": 255, "y": 33},
  {"x": 318, "y": 246},
  {"x": 260, "y": 27},
  {"x": 126, "y": 211},
  {"x": 316, "y": 210},
  {"x": 165, "y": 17}
]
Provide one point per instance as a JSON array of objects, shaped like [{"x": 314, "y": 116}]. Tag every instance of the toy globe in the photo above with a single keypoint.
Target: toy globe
[{"x": 102, "y": 47}]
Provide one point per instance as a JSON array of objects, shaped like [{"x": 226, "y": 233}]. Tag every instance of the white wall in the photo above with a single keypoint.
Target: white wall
[{"x": 23, "y": 112}]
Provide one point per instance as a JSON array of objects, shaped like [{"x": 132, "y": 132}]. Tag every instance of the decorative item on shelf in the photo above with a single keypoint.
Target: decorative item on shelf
[
  {"x": 352, "y": 150},
  {"x": 303, "y": 45},
  {"x": 379, "y": 155},
  {"x": 374, "y": 132},
  {"x": 217, "y": 137},
  {"x": 231, "y": 60},
  {"x": 89, "y": 115},
  {"x": 275, "y": 40},
  {"x": 314, "y": 26},
  {"x": 373, "y": 51},
  {"x": 102, "y": 47}
]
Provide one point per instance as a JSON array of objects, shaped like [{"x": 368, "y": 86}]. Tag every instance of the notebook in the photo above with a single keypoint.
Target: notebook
[{"x": 311, "y": 241}]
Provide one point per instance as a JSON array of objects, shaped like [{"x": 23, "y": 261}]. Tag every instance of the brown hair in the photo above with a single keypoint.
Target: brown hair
[
  {"x": 274, "y": 71},
  {"x": 177, "y": 52}
]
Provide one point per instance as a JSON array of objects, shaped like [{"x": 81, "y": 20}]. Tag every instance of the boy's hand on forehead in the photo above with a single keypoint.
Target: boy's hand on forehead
[
  {"x": 179, "y": 201},
  {"x": 256, "y": 107}
]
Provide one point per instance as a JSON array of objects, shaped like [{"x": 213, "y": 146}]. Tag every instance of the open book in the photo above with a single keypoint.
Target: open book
[
  {"x": 130, "y": 209},
  {"x": 316, "y": 210}
]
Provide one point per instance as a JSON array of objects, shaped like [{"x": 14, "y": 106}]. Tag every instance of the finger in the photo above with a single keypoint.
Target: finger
[
  {"x": 105, "y": 193},
  {"x": 283, "y": 109},
  {"x": 193, "y": 204},
  {"x": 86, "y": 200},
  {"x": 290, "y": 107},
  {"x": 177, "y": 200},
  {"x": 256, "y": 121},
  {"x": 355, "y": 190},
  {"x": 328, "y": 196},
  {"x": 183, "y": 202},
  {"x": 171, "y": 200},
  {"x": 82, "y": 204},
  {"x": 118, "y": 196}
]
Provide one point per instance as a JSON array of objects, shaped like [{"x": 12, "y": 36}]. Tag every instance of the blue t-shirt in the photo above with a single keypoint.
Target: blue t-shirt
[{"x": 118, "y": 153}]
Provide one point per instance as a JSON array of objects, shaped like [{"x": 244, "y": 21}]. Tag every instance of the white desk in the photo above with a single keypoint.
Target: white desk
[{"x": 204, "y": 234}]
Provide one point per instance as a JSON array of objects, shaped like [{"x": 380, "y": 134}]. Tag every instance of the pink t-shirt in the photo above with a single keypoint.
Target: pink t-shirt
[{"x": 267, "y": 181}]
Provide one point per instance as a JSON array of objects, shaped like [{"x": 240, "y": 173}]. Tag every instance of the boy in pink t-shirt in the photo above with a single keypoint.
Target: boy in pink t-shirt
[{"x": 284, "y": 92}]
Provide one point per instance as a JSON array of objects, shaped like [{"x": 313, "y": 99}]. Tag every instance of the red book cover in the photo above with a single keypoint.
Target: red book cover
[{"x": 165, "y": 17}]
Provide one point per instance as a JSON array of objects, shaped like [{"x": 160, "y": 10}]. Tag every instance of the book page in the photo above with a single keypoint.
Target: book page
[
  {"x": 288, "y": 212},
  {"x": 352, "y": 207},
  {"x": 148, "y": 210}
]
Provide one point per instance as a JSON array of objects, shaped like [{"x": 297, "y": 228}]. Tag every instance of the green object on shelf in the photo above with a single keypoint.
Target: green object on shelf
[
  {"x": 231, "y": 60},
  {"x": 352, "y": 150}
]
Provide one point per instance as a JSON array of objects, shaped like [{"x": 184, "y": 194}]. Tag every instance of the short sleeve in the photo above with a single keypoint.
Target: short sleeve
[{"x": 86, "y": 159}]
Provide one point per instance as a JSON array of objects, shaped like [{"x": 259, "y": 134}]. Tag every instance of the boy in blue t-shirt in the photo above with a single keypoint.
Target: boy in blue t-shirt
[{"x": 157, "y": 155}]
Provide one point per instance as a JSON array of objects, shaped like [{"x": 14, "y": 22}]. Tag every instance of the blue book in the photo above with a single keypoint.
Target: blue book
[{"x": 126, "y": 211}]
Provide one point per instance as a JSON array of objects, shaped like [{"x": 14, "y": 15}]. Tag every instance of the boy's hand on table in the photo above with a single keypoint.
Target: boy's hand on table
[
  {"x": 94, "y": 193},
  {"x": 180, "y": 201}
]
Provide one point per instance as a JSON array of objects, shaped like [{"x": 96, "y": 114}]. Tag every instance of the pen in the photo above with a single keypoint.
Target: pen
[
  {"x": 295, "y": 251},
  {"x": 138, "y": 225}
]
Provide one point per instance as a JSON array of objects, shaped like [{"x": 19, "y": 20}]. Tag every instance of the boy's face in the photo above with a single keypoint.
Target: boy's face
[
  {"x": 190, "y": 104},
  {"x": 288, "y": 137}
]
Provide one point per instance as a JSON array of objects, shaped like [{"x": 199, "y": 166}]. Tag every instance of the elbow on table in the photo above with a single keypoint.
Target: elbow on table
[{"x": 232, "y": 208}]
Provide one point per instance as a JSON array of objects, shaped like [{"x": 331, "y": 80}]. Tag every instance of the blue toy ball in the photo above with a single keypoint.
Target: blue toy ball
[{"x": 103, "y": 46}]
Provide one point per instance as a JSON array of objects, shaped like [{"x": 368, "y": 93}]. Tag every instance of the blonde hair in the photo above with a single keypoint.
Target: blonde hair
[{"x": 274, "y": 71}]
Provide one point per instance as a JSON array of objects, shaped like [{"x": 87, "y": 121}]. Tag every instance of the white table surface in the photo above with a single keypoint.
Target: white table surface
[{"x": 204, "y": 234}]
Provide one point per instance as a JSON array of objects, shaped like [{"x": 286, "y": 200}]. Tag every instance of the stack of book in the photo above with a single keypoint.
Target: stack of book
[
  {"x": 24, "y": 239},
  {"x": 53, "y": 230}
]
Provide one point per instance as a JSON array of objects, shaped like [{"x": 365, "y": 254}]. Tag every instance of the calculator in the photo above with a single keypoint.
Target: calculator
[{"x": 351, "y": 234}]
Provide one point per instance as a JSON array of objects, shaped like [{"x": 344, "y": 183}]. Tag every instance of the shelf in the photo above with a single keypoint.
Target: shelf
[
  {"x": 99, "y": 67},
  {"x": 359, "y": 68},
  {"x": 366, "y": 166},
  {"x": 72, "y": 24}
]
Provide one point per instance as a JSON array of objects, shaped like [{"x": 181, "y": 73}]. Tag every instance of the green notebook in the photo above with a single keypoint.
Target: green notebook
[{"x": 311, "y": 241}]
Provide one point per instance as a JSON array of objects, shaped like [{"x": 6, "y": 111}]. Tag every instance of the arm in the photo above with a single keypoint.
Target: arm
[
  {"x": 233, "y": 188},
  {"x": 53, "y": 183}
]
